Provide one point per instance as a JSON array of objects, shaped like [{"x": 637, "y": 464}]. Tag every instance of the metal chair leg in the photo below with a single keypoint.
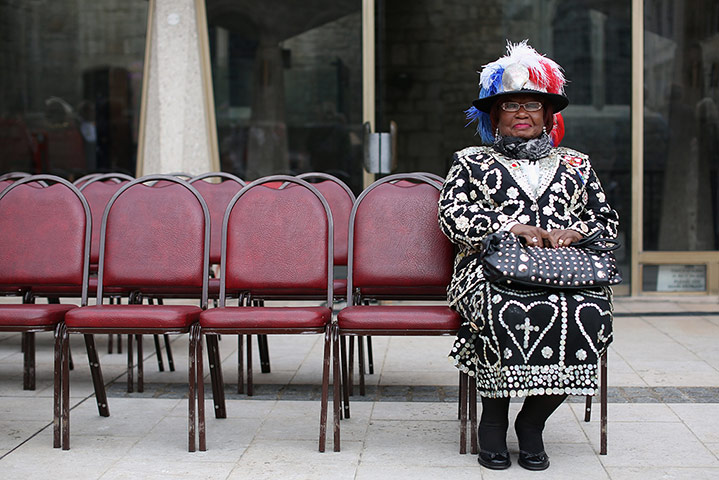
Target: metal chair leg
[
  {"x": 218, "y": 390},
  {"x": 325, "y": 387},
  {"x": 130, "y": 366},
  {"x": 463, "y": 413},
  {"x": 201, "y": 429},
  {"x": 96, "y": 372},
  {"x": 351, "y": 365},
  {"x": 361, "y": 361},
  {"x": 603, "y": 406},
  {"x": 473, "y": 415},
  {"x": 65, "y": 394},
  {"x": 57, "y": 381},
  {"x": 28, "y": 340},
  {"x": 250, "y": 385},
  {"x": 158, "y": 353},
  {"x": 345, "y": 377},
  {"x": 240, "y": 364},
  {"x": 336, "y": 385},
  {"x": 263, "y": 350},
  {"x": 140, "y": 365},
  {"x": 192, "y": 381},
  {"x": 370, "y": 355},
  {"x": 168, "y": 350}
]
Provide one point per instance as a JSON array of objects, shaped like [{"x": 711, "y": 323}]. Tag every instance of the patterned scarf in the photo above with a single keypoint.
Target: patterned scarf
[{"x": 521, "y": 149}]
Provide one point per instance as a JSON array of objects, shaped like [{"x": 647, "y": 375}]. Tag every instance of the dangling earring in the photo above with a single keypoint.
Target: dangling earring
[
  {"x": 496, "y": 135},
  {"x": 544, "y": 130}
]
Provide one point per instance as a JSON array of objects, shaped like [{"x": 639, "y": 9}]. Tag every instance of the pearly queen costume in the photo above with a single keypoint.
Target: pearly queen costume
[{"x": 520, "y": 341}]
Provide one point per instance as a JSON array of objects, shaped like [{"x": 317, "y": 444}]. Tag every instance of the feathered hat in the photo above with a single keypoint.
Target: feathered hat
[{"x": 522, "y": 70}]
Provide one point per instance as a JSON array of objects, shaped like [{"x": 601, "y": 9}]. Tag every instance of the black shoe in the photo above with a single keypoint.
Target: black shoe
[
  {"x": 494, "y": 461},
  {"x": 533, "y": 461}
]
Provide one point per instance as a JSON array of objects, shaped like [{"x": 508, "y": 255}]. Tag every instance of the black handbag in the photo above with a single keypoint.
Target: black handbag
[{"x": 584, "y": 264}]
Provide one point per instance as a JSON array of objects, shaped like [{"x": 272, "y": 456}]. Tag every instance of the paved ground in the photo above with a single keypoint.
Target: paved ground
[{"x": 663, "y": 412}]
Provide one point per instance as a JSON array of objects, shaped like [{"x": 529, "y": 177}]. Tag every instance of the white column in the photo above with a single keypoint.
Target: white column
[{"x": 177, "y": 127}]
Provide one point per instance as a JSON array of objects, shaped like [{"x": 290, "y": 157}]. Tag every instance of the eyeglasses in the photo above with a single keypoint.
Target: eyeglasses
[{"x": 528, "y": 107}]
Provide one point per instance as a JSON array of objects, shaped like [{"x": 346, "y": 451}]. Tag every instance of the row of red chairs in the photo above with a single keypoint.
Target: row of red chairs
[{"x": 274, "y": 243}]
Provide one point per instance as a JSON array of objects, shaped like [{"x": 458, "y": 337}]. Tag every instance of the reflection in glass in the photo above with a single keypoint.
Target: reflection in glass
[
  {"x": 428, "y": 54},
  {"x": 681, "y": 125},
  {"x": 70, "y": 85},
  {"x": 287, "y": 82}
]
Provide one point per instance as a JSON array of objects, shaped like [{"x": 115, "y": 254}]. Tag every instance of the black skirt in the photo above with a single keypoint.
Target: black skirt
[{"x": 520, "y": 341}]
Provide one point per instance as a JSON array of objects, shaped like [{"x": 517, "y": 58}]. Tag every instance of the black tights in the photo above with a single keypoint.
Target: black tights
[{"x": 529, "y": 424}]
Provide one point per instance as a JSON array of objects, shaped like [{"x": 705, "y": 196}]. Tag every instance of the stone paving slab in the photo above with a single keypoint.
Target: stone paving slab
[{"x": 663, "y": 412}]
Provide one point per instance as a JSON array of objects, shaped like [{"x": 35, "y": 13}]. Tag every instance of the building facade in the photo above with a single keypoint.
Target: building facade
[{"x": 256, "y": 88}]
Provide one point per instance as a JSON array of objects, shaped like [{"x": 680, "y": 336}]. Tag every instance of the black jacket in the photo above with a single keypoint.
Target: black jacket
[{"x": 486, "y": 192}]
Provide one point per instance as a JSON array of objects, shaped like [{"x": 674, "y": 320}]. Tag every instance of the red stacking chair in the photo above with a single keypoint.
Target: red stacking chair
[
  {"x": 217, "y": 195},
  {"x": 275, "y": 242},
  {"x": 397, "y": 252},
  {"x": 98, "y": 189},
  {"x": 28, "y": 339},
  {"x": 341, "y": 200},
  {"x": 45, "y": 241},
  {"x": 150, "y": 237}
]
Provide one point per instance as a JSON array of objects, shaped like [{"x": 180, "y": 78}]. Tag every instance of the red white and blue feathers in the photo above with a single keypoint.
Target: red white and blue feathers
[{"x": 522, "y": 68}]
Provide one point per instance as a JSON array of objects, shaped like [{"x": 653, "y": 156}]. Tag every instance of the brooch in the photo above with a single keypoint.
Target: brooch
[{"x": 573, "y": 161}]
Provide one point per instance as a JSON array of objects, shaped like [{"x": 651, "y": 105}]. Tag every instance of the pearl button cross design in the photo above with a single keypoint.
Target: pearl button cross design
[{"x": 528, "y": 328}]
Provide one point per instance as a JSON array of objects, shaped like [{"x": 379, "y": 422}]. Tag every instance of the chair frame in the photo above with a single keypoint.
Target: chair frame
[
  {"x": 211, "y": 333},
  {"x": 602, "y": 405},
  {"x": 118, "y": 177},
  {"x": 64, "y": 418},
  {"x": 358, "y": 299},
  {"x": 29, "y": 343}
]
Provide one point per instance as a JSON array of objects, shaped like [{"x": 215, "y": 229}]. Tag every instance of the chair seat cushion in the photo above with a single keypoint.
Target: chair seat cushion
[
  {"x": 339, "y": 287},
  {"x": 429, "y": 292},
  {"x": 134, "y": 316},
  {"x": 32, "y": 315},
  {"x": 213, "y": 287},
  {"x": 265, "y": 317},
  {"x": 398, "y": 317},
  {"x": 76, "y": 290}
]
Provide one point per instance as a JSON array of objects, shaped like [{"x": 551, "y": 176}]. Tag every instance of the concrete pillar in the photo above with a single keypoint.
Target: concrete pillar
[{"x": 177, "y": 125}]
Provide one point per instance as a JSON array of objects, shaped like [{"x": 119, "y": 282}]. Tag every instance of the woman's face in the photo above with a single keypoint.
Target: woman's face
[{"x": 522, "y": 124}]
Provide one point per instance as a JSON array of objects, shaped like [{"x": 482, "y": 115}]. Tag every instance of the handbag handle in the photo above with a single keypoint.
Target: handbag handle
[{"x": 597, "y": 243}]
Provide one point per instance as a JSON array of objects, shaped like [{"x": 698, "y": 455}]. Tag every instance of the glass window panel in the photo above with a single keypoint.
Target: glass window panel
[
  {"x": 287, "y": 80},
  {"x": 681, "y": 125},
  {"x": 428, "y": 53},
  {"x": 70, "y": 85}
]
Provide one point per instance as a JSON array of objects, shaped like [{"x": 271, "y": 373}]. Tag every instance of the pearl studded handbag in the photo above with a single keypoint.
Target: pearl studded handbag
[{"x": 584, "y": 264}]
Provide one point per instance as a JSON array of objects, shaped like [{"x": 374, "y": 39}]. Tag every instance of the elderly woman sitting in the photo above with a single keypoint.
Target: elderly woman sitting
[{"x": 540, "y": 344}]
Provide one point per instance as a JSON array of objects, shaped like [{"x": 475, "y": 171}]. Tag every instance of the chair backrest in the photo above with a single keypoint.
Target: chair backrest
[
  {"x": 85, "y": 178},
  {"x": 13, "y": 176},
  {"x": 277, "y": 240},
  {"x": 155, "y": 237},
  {"x": 217, "y": 195},
  {"x": 45, "y": 226},
  {"x": 396, "y": 247},
  {"x": 98, "y": 190},
  {"x": 9, "y": 178},
  {"x": 182, "y": 175},
  {"x": 341, "y": 199},
  {"x": 432, "y": 176}
]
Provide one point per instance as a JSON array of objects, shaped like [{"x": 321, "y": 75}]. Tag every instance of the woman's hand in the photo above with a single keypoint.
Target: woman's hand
[
  {"x": 533, "y": 236},
  {"x": 563, "y": 238}
]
